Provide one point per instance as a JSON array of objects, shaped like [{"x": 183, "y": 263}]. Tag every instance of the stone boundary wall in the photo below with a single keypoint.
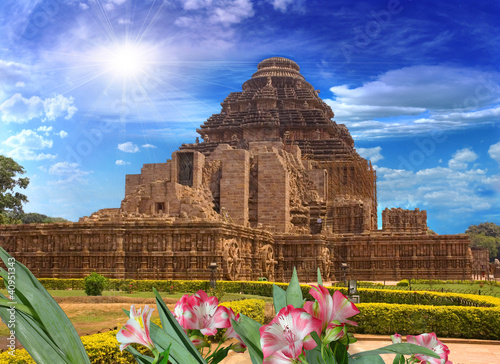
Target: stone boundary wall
[
  {"x": 138, "y": 249},
  {"x": 390, "y": 256}
]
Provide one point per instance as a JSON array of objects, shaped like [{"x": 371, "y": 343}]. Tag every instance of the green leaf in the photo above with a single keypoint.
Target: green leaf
[
  {"x": 368, "y": 359},
  {"x": 313, "y": 356},
  {"x": 316, "y": 338},
  {"x": 6, "y": 303},
  {"x": 293, "y": 292},
  {"x": 165, "y": 355},
  {"x": 399, "y": 359},
  {"x": 401, "y": 348},
  {"x": 219, "y": 355},
  {"x": 279, "y": 298},
  {"x": 248, "y": 330},
  {"x": 340, "y": 351},
  {"x": 320, "y": 281},
  {"x": 140, "y": 358},
  {"x": 172, "y": 328},
  {"x": 47, "y": 314},
  {"x": 41, "y": 348}
]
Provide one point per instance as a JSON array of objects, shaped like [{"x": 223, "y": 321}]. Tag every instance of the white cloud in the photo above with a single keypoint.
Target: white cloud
[
  {"x": 69, "y": 172},
  {"x": 373, "y": 154},
  {"x": 148, "y": 146},
  {"x": 429, "y": 87},
  {"x": 440, "y": 97},
  {"x": 13, "y": 73},
  {"x": 461, "y": 158},
  {"x": 128, "y": 147},
  {"x": 83, "y": 6},
  {"x": 62, "y": 134},
  {"x": 28, "y": 139},
  {"x": 457, "y": 190},
  {"x": 121, "y": 162},
  {"x": 494, "y": 152},
  {"x": 59, "y": 106},
  {"x": 24, "y": 154},
  {"x": 443, "y": 188},
  {"x": 18, "y": 109},
  {"x": 25, "y": 143},
  {"x": 281, "y": 5},
  {"x": 111, "y": 4},
  {"x": 122, "y": 21},
  {"x": 196, "y": 4},
  {"x": 232, "y": 12},
  {"x": 225, "y": 12},
  {"x": 45, "y": 129}
]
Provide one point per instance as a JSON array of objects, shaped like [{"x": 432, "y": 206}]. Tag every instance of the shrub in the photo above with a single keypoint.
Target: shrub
[
  {"x": 403, "y": 283},
  {"x": 94, "y": 284}
]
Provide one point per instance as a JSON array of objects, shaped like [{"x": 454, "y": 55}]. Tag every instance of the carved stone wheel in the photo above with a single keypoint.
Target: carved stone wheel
[
  {"x": 232, "y": 262},
  {"x": 326, "y": 263},
  {"x": 268, "y": 262}
]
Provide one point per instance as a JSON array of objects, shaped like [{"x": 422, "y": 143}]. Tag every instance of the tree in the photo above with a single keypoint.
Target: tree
[
  {"x": 11, "y": 202},
  {"x": 486, "y": 235},
  {"x": 36, "y": 218}
]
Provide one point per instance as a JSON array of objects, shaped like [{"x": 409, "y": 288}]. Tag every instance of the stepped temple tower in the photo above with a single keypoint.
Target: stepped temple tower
[{"x": 274, "y": 183}]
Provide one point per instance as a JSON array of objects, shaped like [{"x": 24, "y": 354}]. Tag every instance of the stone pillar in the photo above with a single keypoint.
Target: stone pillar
[
  {"x": 274, "y": 192},
  {"x": 120, "y": 256},
  {"x": 234, "y": 184}
]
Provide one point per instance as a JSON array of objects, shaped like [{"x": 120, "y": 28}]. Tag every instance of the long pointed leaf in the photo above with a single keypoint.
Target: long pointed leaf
[
  {"x": 140, "y": 358},
  {"x": 172, "y": 328},
  {"x": 248, "y": 330},
  {"x": 369, "y": 359},
  {"x": 51, "y": 318},
  {"x": 41, "y": 348},
  {"x": 320, "y": 281},
  {"x": 401, "y": 348},
  {"x": 293, "y": 292},
  {"x": 279, "y": 298}
]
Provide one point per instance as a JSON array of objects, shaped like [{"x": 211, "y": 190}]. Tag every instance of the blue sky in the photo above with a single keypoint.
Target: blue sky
[{"x": 90, "y": 90}]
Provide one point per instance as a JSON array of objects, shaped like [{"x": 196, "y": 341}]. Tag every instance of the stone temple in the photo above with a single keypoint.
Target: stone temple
[{"x": 274, "y": 183}]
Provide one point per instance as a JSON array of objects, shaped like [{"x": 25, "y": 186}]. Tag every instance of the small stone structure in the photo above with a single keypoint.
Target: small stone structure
[{"x": 275, "y": 183}]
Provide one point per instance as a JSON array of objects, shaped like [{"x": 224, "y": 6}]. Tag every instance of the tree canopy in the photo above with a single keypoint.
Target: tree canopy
[
  {"x": 486, "y": 235},
  {"x": 11, "y": 201}
]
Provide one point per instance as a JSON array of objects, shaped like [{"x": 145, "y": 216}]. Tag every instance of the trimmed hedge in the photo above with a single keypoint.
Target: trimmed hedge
[
  {"x": 445, "y": 321},
  {"x": 103, "y": 348}
]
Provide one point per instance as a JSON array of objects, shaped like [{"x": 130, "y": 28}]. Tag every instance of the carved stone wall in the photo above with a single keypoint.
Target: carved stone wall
[
  {"x": 151, "y": 249},
  {"x": 399, "y": 220},
  {"x": 388, "y": 256}
]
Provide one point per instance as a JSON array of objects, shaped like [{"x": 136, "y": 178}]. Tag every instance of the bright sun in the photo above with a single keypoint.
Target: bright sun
[{"x": 127, "y": 60}]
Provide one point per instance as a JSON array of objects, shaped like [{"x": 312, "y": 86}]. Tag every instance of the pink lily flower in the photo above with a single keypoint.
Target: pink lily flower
[
  {"x": 430, "y": 341},
  {"x": 183, "y": 313},
  {"x": 333, "y": 311},
  {"x": 239, "y": 347},
  {"x": 284, "y": 339},
  {"x": 136, "y": 330},
  {"x": 201, "y": 312}
]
